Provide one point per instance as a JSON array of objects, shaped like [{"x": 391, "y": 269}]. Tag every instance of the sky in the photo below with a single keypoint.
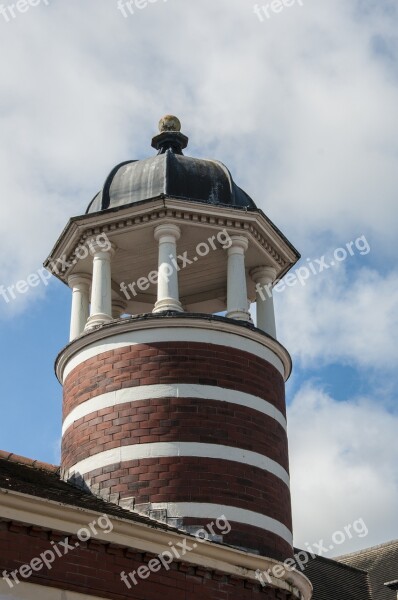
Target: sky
[{"x": 301, "y": 105}]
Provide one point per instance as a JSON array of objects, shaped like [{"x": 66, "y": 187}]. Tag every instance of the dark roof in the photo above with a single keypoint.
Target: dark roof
[
  {"x": 332, "y": 580},
  {"x": 42, "y": 480},
  {"x": 393, "y": 585},
  {"x": 170, "y": 173},
  {"x": 382, "y": 564}
]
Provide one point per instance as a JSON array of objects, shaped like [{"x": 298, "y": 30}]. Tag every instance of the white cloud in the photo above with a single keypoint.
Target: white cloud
[
  {"x": 341, "y": 316},
  {"x": 343, "y": 468}
]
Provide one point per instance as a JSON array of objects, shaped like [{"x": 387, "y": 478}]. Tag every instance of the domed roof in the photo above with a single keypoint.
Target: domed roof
[{"x": 170, "y": 173}]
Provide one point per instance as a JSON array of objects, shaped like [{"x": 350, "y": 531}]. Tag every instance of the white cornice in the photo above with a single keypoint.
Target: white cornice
[
  {"x": 261, "y": 231},
  {"x": 143, "y": 538},
  {"x": 140, "y": 324}
]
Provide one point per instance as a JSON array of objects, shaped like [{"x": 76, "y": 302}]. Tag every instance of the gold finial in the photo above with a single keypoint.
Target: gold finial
[{"x": 169, "y": 123}]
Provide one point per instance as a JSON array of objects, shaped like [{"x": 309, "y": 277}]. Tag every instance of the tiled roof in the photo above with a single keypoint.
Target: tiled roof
[
  {"x": 39, "y": 479},
  {"x": 335, "y": 581},
  {"x": 382, "y": 564}
]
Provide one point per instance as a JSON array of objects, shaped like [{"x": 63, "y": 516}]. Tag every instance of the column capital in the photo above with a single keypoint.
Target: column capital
[
  {"x": 79, "y": 279},
  {"x": 167, "y": 232},
  {"x": 97, "y": 248},
  {"x": 239, "y": 243},
  {"x": 263, "y": 275}
]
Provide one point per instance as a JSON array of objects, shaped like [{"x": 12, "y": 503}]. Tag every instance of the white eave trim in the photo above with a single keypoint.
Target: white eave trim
[{"x": 252, "y": 222}]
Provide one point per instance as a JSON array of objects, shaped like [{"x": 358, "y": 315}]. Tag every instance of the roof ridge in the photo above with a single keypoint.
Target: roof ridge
[
  {"x": 29, "y": 462},
  {"x": 366, "y": 550},
  {"x": 334, "y": 560}
]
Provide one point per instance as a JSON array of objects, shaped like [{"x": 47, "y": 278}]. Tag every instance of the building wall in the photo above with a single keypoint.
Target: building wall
[{"x": 93, "y": 569}]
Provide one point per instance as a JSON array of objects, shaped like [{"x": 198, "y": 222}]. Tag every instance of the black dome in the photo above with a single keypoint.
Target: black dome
[{"x": 170, "y": 173}]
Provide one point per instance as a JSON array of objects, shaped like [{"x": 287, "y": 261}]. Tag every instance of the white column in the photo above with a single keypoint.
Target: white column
[
  {"x": 118, "y": 307},
  {"x": 80, "y": 285},
  {"x": 237, "y": 303},
  {"x": 264, "y": 278},
  {"x": 101, "y": 288},
  {"x": 168, "y": 295}
]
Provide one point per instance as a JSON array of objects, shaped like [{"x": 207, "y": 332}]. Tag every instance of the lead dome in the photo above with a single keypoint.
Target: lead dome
[{"x": 170, "y": 173}]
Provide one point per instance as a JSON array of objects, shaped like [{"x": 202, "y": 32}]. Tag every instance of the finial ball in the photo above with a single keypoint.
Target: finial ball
[{"x": 169, "y": 123}]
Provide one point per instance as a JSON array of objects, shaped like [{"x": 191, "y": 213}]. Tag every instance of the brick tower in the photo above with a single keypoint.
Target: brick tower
[{"x": 173, "y": 399}]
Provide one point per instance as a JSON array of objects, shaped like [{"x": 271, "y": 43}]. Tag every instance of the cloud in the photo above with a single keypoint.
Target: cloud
[
  {"x": 341, "y": 315},
  {"x": 343, "y": 468}
]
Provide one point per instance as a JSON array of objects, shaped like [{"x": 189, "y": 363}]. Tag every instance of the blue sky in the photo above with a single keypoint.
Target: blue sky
[{"x": 301, "y": 106}]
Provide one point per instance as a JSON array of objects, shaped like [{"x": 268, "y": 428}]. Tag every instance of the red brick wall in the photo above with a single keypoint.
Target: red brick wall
[
  {"x": 188, "y": 479},
  {"x": 184, "y": 479},
  {"x": 94, "y": 569},
  {"x": 175, "y": 420},
  {"x": 174, "y": 362}
]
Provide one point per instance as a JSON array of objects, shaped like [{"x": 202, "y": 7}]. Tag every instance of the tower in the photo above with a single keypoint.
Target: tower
[{"x": 173, "y": 399}]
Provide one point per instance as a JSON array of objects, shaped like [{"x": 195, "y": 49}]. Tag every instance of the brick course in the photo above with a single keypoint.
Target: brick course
[
  {"x": 174, "y": 362},
  {"x": 254, "y": 538},
  {"x": 175, "y": 420},
  {"x": 191, "y": 479}
]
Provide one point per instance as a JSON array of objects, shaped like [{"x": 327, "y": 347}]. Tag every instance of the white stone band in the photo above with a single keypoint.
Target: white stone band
[
  {"x": 174, "y": 390},
  {"x": 203, "y": 510},
  {"x": 183, "y": 449},
  {"x": 173, "y": 334}
]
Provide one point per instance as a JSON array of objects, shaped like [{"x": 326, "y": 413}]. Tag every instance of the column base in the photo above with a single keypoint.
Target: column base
[
  {"x": 98, "y": 319},
  {"x": 239, "y": 315},
  {"x": 168, "y": 304}
]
